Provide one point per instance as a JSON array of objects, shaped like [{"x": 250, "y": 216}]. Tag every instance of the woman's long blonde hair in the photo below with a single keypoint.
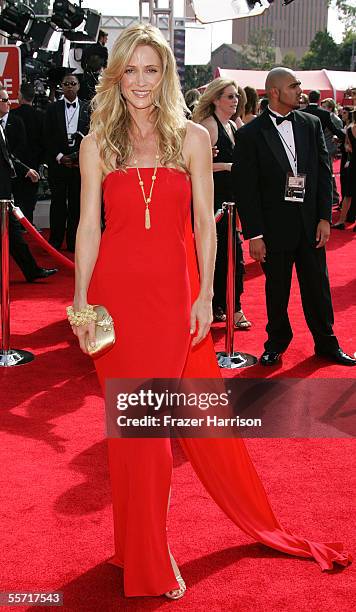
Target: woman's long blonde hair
[
  {"x": 205, "y": 106},
  {"x": 111, "y": 121}
]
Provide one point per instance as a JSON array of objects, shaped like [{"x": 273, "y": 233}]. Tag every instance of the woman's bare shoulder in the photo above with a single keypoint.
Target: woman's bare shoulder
[
  {"x": 209, "y": 122},
  {"x": 197, "y": 144},
  {"x": 90, "y": 160},
  {"x": 196, "y": 132},
  {"x": 89, "y": 144}
]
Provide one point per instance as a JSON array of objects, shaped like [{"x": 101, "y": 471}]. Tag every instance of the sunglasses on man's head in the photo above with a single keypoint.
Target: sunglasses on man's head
[{"x": 67, "y": 83}]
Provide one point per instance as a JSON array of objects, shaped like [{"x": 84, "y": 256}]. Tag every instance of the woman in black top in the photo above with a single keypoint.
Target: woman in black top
[
  {"x": 214, "y": 111},
  {"x": 347, "y": 172}
]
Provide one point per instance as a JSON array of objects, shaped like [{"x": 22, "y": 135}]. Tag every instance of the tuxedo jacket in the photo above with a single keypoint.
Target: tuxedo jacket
[
  {"x": 33, "y": 124},
  {"x": 325, "y": 118},
  {"x": 259, "y": 175},
  {"x": 10, "y": 166},
  {"x": 16, "y": 136},
  {"x": 55, "y": 132}
]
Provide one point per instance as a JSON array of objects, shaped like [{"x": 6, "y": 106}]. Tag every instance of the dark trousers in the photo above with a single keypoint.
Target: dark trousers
[
  {"x": 65, "y": 207},
  {"x": 220, "y": 274},
  {"x": 336, "y": 196},
  {"x": 19, "y": 249},
  {"x": 25, "y": 195},
  {"x": 314, "y": 287}
]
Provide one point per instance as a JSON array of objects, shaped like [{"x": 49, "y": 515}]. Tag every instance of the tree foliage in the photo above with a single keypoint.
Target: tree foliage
[
  {"x": 325, "y": 53},
  {"x": 345, "y": 50},
  {"x": 347, "y": 11},
  {"x": 260, "y": 52},
  {"x": 196, "y": 76},
  {"x": 40, "y": 7},
  {"x": 290, "y": 60}
]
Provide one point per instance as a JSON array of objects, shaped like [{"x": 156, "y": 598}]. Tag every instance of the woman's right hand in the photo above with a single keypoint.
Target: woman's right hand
[{"x": 85, "y": 333}]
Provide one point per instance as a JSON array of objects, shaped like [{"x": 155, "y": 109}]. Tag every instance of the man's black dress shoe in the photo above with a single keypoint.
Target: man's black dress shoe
[
  {"x": 270, "y": 358},
  {"x": 41, "y": 273},
  {"x": 338, "y": 357}
]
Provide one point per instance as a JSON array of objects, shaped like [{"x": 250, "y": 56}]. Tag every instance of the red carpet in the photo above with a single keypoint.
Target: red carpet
[{"x": 55, "y": 503}]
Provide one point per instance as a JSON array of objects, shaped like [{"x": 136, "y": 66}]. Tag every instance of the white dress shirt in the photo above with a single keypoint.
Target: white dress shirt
[
  {"x": 71, "y": 116},
  {"x": 286, "y": 135},
  {"x": 4, "y": 120}
]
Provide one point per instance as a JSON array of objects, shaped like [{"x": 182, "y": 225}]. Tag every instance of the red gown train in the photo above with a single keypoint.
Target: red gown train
[{"x": 147, "y": 279}]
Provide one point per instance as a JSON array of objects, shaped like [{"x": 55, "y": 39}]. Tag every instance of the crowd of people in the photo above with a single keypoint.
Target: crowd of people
[
  {"x": 34, "y": 137},
  {"x": 223, "y": 108},
  {"x": 337, "y": 128}
]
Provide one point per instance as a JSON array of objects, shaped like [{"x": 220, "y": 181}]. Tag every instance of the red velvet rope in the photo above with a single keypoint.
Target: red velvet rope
[{"x": 42, "y": 241}]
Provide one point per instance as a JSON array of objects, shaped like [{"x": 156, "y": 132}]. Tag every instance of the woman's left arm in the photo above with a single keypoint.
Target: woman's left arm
[{"x": 199, "y": 155}]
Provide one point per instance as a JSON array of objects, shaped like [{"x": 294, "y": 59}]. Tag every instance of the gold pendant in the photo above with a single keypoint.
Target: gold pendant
[{"x": 147, "y": 219}]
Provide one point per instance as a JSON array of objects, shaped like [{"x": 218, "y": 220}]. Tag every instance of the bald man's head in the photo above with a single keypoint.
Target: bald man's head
[
  {"x": 283, "y": 90},
  {"x": 277, "y": 77}
]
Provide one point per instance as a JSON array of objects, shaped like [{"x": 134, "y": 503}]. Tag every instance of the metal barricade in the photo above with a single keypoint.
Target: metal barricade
[{"x": 8, "y": 357}]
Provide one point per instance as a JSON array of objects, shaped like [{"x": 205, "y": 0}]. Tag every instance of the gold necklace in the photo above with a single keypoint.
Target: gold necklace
[{"x": 147, "y": 200}]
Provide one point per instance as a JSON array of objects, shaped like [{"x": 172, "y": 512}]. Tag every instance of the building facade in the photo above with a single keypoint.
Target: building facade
[
  {"x": 233, "y": 57},
  {"x": 293, "y": 26}
]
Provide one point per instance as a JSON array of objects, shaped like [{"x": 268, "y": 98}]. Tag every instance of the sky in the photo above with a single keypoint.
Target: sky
[{"x": 214, "y": 35}]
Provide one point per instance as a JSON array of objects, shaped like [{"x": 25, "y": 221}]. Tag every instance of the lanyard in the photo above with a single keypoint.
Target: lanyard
[
  {"x": 69, "y": 121},
  {"x": 294, "y": 155}
]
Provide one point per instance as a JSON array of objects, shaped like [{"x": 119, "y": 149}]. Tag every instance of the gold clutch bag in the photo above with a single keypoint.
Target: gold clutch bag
[{"x": 104, "y": 333}]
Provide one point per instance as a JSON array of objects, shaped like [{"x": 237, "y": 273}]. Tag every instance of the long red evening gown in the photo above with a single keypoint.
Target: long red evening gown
[{"x": 147, "y": 279}]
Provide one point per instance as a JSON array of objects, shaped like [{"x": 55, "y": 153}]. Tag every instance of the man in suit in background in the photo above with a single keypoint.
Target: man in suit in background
[
  {"x": 314, "y": 108},
  {"x": 282, "y": 182},
  {"x": 25, "y": 193},
  {"x": 10, "y": 167},
  {"x": 66, "y": 123}
]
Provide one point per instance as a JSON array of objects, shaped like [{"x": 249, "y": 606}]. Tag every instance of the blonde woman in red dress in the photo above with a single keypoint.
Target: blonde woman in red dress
[{"x": 148, "y": 160}]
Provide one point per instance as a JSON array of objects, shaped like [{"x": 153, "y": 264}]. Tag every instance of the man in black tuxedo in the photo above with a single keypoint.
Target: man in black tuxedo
[
  {"x": 66, "y": 123},
  {"x": 25, "y": 193},
  {"x": 314, "y": 108},
  {"x": 282, "y": 182},
  {"x": 10, "y": 167}
]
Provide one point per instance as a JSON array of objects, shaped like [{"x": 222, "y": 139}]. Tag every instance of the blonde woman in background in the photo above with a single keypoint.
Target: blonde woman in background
[{"x": 214, "y": 110}]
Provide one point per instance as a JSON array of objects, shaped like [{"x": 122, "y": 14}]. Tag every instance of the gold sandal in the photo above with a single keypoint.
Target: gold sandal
[
  {"x": 177, "y": 593},
  {"x": 241, "y": 322}
]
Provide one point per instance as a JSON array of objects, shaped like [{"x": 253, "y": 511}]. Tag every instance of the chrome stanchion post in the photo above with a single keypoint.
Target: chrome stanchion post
[
  {"x": 8, "y": 356},
  {"x": 228, "y": 358},
  {"x": 5, "y": 294}
]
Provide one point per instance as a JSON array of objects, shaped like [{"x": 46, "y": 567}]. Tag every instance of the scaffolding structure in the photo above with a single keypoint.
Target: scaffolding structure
[{"x": 155, "y": 13}]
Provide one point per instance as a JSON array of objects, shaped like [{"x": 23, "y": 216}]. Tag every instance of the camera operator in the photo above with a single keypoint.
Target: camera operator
[
  {"x": 99, "y": 49},
  {"x": 90, "y": 78},
  {"x": 66, "y": 123}
]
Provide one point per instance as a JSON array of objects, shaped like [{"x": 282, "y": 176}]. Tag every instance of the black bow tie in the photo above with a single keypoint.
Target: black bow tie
[
  {"x": 71, "y": 104},
  {"x": 279, "y": 120}
]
